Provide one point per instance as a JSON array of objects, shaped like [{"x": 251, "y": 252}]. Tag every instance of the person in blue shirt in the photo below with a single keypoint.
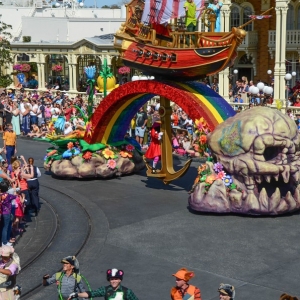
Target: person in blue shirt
[{"x": 216, "y": 7}]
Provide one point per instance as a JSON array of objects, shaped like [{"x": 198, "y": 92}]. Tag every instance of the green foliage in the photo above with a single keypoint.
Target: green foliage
[
  {"x": 5, "y": 80},
  {"x": 5, "y": 54},
  {"x": 26, "y": 39}
]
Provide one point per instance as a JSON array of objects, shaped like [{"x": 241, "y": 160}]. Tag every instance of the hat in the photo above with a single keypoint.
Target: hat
[
  {"x": 184, "y": 274},
  {"x": 25, "y": 99},
  {"x": 71, "y": 260},
  {"x": 66, "y": 94},
  {"x": 6, "y": 250},
  {"x": 114, "y": 273},
  {"x": 227, "y": 289}
]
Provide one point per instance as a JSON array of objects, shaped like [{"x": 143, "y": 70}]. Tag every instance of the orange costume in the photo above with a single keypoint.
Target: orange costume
[{"x": 190, "y": 292}]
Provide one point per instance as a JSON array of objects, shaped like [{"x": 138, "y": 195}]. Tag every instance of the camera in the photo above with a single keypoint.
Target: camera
[{"x": 18, "y": 157}]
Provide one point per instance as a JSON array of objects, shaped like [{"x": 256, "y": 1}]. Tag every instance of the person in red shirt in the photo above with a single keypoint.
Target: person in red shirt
[
  {"x": 184, "y": 290},
  {"x": 297, "y": 102},
  {"x": 154, "y": 151},
  {"x": 68, "y": 111}
]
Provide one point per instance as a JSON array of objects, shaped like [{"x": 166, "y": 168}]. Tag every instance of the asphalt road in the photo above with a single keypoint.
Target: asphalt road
[{"x": 145, "y": 228}]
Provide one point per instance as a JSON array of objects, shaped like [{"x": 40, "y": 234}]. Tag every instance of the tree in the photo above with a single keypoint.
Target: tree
[
  {"x": 5, "y": 54},
  {"x": 114, "y": 6}
]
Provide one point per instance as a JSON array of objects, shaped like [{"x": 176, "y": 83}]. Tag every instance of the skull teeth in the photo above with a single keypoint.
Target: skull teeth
[
  {"x": 295, "y": 176},
  {"x": 286, "y": 173},
  {"x": 258, "y": 178},
  {"x": 276, "y": 177},
  {"x": 267, "y": 178}
]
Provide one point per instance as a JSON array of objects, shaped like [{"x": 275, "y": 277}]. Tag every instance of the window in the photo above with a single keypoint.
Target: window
[
  {"x": 235, "y": 17},
  {"x": 23, "y": 57},
  {"x": 290, "y": 17},
  {"x": 293, "y": 17},
  {"x": 298, "y": 17},
  {"x": 240, "y": 15}
]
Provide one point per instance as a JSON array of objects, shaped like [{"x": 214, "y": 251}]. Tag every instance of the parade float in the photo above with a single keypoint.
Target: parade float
[{"x": 253, "y": 163}]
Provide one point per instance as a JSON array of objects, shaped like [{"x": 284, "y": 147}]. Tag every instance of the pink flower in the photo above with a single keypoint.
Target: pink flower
[
  {"x": 111, "y": 164},
  {"x": 221, "y": 175},
  {"x": 124, "y": 70},
  {"x": 129, "y": 148}
]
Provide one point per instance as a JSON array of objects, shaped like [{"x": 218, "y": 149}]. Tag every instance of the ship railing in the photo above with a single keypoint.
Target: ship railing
[{"x": 197, "y": 40}]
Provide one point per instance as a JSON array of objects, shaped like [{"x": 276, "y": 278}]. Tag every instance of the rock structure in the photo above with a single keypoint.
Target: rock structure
[
  {"x": 259, "y": 148},
  {"x": 77, "y": 167}
]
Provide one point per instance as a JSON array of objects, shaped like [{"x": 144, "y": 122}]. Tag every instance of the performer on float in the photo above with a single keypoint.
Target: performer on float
[
  {"x": 216, "y": 7},
  {"x": 154, "y": 151}
]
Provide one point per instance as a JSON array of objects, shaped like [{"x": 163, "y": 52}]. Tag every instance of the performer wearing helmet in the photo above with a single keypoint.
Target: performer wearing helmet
[
  {"x": 184, "y": 290},
  {"x": 226, "y": 291},
  {"x": 69, "y": 280},
  {"x": 114, "y": 291}
]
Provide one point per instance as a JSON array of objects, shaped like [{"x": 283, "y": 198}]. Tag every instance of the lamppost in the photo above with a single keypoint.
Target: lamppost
[
  {"x": 235, "y": 72},
  {"x": 287, "y": 78},
  {"x": 269, "y": 73}
]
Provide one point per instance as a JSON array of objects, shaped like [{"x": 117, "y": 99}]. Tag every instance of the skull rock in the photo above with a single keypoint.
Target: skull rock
[{"x": 258, "y": 147}]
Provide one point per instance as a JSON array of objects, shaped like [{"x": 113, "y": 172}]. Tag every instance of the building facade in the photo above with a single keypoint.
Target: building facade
[{"x": 272, "y": 44}]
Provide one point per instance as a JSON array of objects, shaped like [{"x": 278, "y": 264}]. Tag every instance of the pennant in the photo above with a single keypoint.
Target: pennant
[{"x": 257, "y": 17}]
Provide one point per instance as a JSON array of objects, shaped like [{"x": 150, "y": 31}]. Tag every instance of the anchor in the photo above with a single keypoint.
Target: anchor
[{"x": 167, "y": 172}]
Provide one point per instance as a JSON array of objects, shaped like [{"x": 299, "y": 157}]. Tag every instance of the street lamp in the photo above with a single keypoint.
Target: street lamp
[
  {"x": 287, "y": 78},
  {"x": 235, "y": 72}
]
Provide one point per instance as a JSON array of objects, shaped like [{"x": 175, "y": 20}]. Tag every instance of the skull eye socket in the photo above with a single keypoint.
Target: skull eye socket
[{"x": 271, "y": 153}]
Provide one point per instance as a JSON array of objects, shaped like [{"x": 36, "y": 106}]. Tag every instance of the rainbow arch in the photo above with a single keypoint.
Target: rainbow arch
[{"x": 112, "y": 118}]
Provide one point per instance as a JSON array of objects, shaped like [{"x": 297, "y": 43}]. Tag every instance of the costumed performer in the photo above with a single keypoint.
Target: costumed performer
[
  {"x": 184, "y": 290},
  {"x": 154, "y": 151},
  {"x": 190, "y": 17},
  {"x": 216, "y": 7}
]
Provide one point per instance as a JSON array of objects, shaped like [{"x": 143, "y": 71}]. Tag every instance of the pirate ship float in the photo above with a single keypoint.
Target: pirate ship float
[{"x": 154, "y": 40}]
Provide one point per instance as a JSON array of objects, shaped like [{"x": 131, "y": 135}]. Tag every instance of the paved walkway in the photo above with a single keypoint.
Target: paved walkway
[{"x": 144, "y": 227}]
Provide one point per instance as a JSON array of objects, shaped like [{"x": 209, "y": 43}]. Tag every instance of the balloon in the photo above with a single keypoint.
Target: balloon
[
  {"x": 269, "y": 90},
  {"x": 255, "y": 90},
  {"x": 260, "y": 86}
]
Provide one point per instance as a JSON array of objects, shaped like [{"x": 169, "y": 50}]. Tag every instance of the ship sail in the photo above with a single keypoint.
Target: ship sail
[{"x": 162, "y": 11}]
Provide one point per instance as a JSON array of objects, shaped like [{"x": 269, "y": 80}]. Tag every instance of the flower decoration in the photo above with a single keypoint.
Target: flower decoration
[
  {"x": 57, "y": 68},
  {"x": 111, "y": 164},
  {"x": 70, "y": 145},
  {"x": 126, "y": 154},
  {"x": 210, "y": 179},
  {"x": 227, "y": 180},
  {"x": 221, "y": 175},
  {"x": 90, "y": 72},
  {"x": 107, "y": 153},
  {"x": 87, "y": 155},
  {"x": 218, "y": 167},
  {"x": 201, "y": 124},
  {"x": 201, "y": 168},
  {"x": 17, "y": 67},
  {"x": 129, "y": 148},
  {"x": 124, "y": 70},
  {"x": 89, "y": 129},
  {"x": 25, "y": 68},
  {"x": 22, "y": 67},
  {"x": 203, "y": 139}
]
